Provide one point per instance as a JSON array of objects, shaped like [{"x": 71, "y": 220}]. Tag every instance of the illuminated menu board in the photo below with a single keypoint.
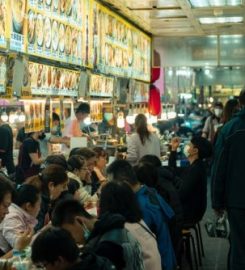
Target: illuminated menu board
[
  {"x": 121, "y": 49},
  {"x": 3, "y": 25},
  {"x": 48, "y": 80},
  {"x": 55, "y": 29},
  {"x": 101, "y": 86}
]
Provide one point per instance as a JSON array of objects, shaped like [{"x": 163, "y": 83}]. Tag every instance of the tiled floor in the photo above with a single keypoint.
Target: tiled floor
[{"x": 216, "y": 249}]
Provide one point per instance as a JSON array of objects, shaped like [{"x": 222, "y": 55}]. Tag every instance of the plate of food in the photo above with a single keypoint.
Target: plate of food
[
  {"x": 18, "y": 14},
  {"x": 68, "y": 40},
  {"x": 48, "y": 32},
  {"x": 39, "y": 30},
  {"x": 62, "y": 37},
  {"x": 31, "y": 26},
  {"x": 55, "y": 36}
]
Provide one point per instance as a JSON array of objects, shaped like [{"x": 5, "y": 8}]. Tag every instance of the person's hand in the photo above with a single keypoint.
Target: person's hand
[
  {"x": 219, "y": 212},
  {"x": 175, "y": 142},
  {"x": 23, "y": 240}
]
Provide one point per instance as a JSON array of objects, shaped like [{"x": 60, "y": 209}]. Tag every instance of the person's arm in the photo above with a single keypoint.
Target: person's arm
[
  {"x": 205, "y": 130},
  {"x": 32, "y": 150},
  {"x": 35, "y": 159},
  {"x": 132, "y": 151},
  {"x": 175, "y": 142}
]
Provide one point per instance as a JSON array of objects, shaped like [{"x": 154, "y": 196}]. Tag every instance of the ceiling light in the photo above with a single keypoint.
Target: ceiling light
[
  {"x": 215, "y": 3},
  {"x": 212, "y": 20}
]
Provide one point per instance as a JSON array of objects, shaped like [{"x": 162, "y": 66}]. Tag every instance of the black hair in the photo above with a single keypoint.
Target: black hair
[
  {"x": 242, "y": 97},
  {"x": 141, "y": 127},
  {"x": 55, "y": 117},
  {"x": 205, "y": 148},
  {"x": 83, "y": 108},
  {"x": 85, "y": 152},
  {"x": 119, "y": 198},
  {"x": 52, "y": 173},
  {"x": 6, "y": 187},
  {"x": 73, "y": 186},
  {"x": 53, "y": 243},
  {"x": 122, "y": 171},
  {"x": 151, "y": 159},
  {"x": 66, "y": 211},
  {"x": 231, "y": 107},
  {"x": 218, "y": 104},
  {"x": 56, "y": 160},
  {"x": 75, "y": 162},
  {"x": 26, "y": 194},
  {"x": 100, "y": 152},
  {"x": 147, "y": 174}
]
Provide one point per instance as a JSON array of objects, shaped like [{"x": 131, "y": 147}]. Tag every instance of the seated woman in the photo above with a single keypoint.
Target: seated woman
[
  {"x": 52, "y": 182},
  {"x": 78, "y": 171},
  {"x": 118, "y": 198},
  {"x": 192, "y": 188},
  {"x": 98, "y": 175},
  {"x": 24, "y": 239},
  {"x": 21, "y": 217}
]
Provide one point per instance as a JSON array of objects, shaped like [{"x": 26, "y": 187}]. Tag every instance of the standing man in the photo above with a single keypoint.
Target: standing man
[
  {"x": 74, "y": 127},
  {"x": 6, "y": 147},
  {"x": 228, "y": 184}
]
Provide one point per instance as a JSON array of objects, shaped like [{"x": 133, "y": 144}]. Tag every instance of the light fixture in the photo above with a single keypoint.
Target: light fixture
[
  {"x": 4, "y": 117},
  {"x": 215, "y": 20},
  {"x": 87, "y": 121},
  {"x": 215, "y": 3}
]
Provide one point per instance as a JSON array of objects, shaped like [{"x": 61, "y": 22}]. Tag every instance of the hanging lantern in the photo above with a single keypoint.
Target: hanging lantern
[
  {"x": 155, "y": 74},
  {"x": 154, "y": 105}
]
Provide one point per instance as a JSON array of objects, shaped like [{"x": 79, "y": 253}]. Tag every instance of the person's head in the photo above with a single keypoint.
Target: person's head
[
  {"x": 118, "y": 198},
  {"x": 36, "y": 135},
  {"x": 146, "y": 174},
  {"x": 89, "y": 155},
  {"x": 6, "y": 191},
  {"x": 54, "y": 249},
  {"x": 73, "y": 188},
  {"x": 231, "y": 107},
  {"x": 52, "y": 181},
  {"x": 101, "y": 156},
  {"x": 78, "y": 165},
  {"x": 28, "y": 197},
  {"x": 218, "y": 109},
  {"x": 242, "y": 98},
  {"x": 55, "y": 123},
  {"x": 82, "y": 111},
  {"x": 56, "y": 160},
  {"x": 198, "y": 148},
  {"x": 151, "y": 159},
  {"x": 141, "y": 127},
  {"x": 71, "y": 215},
  {"x": 121, "y": 170}
]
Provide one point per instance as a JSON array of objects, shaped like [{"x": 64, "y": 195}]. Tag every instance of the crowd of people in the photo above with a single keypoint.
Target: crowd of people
[{"x": 139, "y": 206}]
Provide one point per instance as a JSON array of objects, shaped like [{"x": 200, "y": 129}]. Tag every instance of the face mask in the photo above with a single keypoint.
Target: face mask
[
  {"x": 54, "y": 129},
  {"x": 86, "y": 232},
  {"x": 108, "y": 116},
  {"x": 186, "y": 150},
  {"x": 218, "y": 112}
]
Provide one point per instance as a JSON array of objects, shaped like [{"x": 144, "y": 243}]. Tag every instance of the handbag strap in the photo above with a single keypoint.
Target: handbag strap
[{"x": 147, "y": 229}]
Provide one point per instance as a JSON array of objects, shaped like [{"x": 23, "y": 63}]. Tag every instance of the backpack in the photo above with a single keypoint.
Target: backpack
[
  {"x": 131, "y": 248},
  {"x": 90, "y": 260}
]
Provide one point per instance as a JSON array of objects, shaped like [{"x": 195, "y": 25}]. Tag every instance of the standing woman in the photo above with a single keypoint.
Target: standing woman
[
  {"x": 29, "y": 157},
  {"x": 143, "y": 142}
]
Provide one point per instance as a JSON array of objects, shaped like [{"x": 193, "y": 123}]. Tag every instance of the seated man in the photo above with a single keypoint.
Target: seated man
[
  {"x": 106, "y": 236},
  {"x": 55, "y": 249},
  {"x": 156, "y": 212}
]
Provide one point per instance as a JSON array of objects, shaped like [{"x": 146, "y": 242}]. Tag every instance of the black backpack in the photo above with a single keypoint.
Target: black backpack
[{"x": 90, "y": 260}]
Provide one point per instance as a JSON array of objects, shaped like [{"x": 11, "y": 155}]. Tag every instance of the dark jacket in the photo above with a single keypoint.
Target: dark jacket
[
  {"x": 112, "y": 251},
  {"x": 228, "y": 185},
  {"x": 192, "y": 189}
]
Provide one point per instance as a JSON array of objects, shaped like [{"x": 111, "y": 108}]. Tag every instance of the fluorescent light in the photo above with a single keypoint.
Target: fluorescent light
[
  {"x": 213, "y": 20},
  {"x": 215, "y": 3}
]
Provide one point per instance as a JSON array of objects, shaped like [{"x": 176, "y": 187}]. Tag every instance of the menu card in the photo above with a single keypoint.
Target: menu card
[
  {"x": 139, "y": 91},
  {"x": 101, "y": 86},
  {"x": 48, "y": 80},
  {"x": 3, "y": 69}
]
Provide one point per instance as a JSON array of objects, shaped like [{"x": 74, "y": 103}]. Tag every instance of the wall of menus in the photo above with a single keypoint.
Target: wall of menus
[
  {"x": 78, "y": 32},
  {"x": 101, "y": 86}
]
